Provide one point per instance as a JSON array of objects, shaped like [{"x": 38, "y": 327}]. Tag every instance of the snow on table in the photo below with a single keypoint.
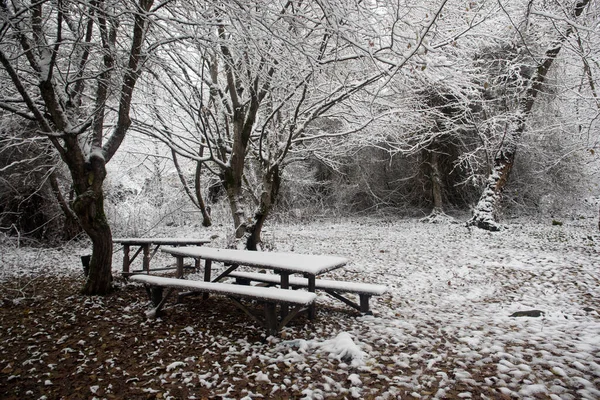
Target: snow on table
[
  {"x": 289, "y": 262},
  {"x": 174, "y": 241}
]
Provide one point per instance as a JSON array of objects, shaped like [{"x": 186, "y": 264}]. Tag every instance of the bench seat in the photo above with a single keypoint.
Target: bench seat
[
  {"x": 267, "y": 295},
  {"x": 332, "y": 287}
]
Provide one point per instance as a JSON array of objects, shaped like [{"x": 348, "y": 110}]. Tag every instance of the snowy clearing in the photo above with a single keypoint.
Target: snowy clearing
[{"x": 443, "y": 330}]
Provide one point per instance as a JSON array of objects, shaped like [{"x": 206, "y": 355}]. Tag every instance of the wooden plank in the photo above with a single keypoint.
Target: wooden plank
[
  {"x": 257, "y": 293},
  {"x": 154, "y": 285},
  {"x": 364, "y": 303},
  {"x": 245, "y": 309},
  {"x": 343, "y": 299},
  {"x": 290, "y": 262},
  {"x": 162, "y": 241},
  {"x": 223, "y": 274},
  {"x": 139, "y": 250},
  {"x": 271, "y": 318},
  {"x": 321, "y": 284}
]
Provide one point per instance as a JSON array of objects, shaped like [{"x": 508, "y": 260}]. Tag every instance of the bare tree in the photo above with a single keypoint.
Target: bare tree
[
  {"x": 74, "y": 79},
  {"x": 257, "y": 77}
]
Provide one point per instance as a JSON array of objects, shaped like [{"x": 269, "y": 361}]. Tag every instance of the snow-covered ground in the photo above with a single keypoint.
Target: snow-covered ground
[{"x": 443, "y": 330}]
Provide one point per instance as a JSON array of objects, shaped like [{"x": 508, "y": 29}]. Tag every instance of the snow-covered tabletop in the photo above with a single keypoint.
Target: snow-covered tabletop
[
  {"x": 280, "y": 262},
  {"x": 161, "y": 241}
]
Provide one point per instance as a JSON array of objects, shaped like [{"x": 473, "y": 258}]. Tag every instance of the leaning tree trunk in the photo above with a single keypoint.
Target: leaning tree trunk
[
  {"x": 268, "y": 197},
  {"x": 485, "y": 212},
  {"x": 57, "y": 104}
]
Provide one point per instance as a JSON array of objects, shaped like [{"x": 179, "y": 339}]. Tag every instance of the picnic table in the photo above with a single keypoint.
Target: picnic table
[
  {"x": 284, "y": 264},
  {"x": 278, "y": 284},
  {"x": 145, "y": 245}
]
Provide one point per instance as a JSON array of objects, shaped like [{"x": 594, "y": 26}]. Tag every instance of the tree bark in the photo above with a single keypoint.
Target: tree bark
[
  {"x": 268, "y": 197},
  {"x": 100, "y": 272},
  {"x": 206, "y": 222},
  {"x": 485, "y": 214},
  {"x": 89, "y": 208},
  {"x": 436, "y": 183},
  {"x": 232, "y": 182}
]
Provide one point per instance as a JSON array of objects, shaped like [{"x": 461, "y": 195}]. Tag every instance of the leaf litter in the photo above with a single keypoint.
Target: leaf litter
[{"x": 457, "y": 322}]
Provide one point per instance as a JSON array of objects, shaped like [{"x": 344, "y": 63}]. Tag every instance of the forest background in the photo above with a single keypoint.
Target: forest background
[{"x": 117, "y": 117}]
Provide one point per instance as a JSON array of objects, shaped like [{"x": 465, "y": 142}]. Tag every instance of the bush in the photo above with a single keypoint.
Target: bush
[{"x": 28, "y": 207}]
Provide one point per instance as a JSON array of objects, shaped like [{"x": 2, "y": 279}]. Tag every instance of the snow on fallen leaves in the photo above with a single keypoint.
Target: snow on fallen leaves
[{"x": 443, "y": 330}]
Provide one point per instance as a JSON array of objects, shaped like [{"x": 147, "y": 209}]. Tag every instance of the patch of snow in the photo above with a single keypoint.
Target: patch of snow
[
  {"x": 262, "y": 377},
  {"x": 174, "y": 365},
  {"x": 343, "y": 348}
]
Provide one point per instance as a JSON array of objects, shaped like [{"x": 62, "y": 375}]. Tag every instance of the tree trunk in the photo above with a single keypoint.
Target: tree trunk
[
  {"x": 206, "y": 222},
  {"x": 233, "y": 188},
  {"x": 485, "y": 214},
  {"x": 436, "y": 183},
  {"x": 100, "y": 275},
  {"x": 89, "y": 208},
  {"x": 248, "y": 229},
  {"x": 268, "y": 198},
  {"x": 232, "y": 178},
  {"x": 59, "y": 111}
]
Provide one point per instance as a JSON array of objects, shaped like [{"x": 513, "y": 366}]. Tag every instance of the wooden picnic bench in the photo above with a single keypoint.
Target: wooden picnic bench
[
  {"x": 332, "y": 287},
  {"x": 145, "y": 246},
  {"x": 270, "y": 297}
]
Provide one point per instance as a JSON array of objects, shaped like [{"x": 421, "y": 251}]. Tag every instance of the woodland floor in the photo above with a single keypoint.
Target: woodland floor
[
  {"x": 59, "y": 345},
  {"x": 443, "y": 331}
]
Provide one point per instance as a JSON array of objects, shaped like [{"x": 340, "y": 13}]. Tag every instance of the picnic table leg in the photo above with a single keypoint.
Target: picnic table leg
[
  {"x": 146, "y": 261},
  {"x": 126, "y": 260},
  {"x": 207, "y": 272},
  {"x": 179, "y": 273},
  {"x": 271, "y": 319},
  {"x": 285, "y": 284},
  {"x": 364, "y": 303},
  {"x": 312, "y": 313}
]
